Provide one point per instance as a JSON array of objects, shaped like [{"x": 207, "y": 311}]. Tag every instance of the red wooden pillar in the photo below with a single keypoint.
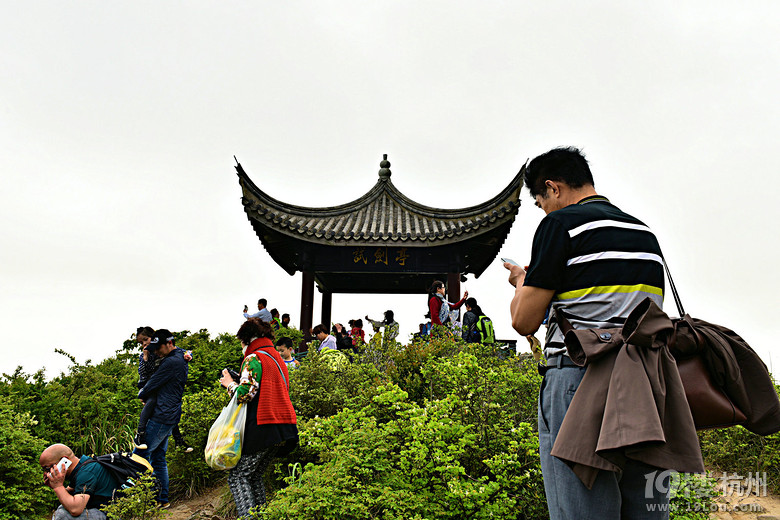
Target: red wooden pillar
[
  {"x": 327, "y": 305},
  {"x": 307, "y": 303},
  {"x": 453, "y": 287}
]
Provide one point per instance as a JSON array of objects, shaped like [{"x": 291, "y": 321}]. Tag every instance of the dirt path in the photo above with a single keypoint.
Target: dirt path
[
  {"x": 201, "y": 507},
  {"x": 734, "y": 506}
]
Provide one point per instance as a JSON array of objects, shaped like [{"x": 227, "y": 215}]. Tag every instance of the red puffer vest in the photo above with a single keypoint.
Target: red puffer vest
[{"x": 274, "y": 406}]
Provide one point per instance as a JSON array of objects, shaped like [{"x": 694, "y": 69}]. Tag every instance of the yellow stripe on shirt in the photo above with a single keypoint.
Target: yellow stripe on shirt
[{"x": 609, "y": 289}]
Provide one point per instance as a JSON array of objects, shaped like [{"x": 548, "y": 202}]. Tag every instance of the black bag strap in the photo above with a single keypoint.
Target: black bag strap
[{"x": 677, "y": 301}]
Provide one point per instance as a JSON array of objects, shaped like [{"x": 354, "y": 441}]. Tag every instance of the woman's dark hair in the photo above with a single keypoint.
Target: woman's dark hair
[
  {"x": 566, "y": 164},
  {"x": 389, "y": 317},
  {"x": 435, "y": 286},
  {"x": 275, "y": 313},
  {"x": 144, "y": 331},
  {"x": 254, "y": 328},
  {"x": 359, "y": 323},
  {"x": 476, "y": 309},
  {"x": 319, "y": 328}
]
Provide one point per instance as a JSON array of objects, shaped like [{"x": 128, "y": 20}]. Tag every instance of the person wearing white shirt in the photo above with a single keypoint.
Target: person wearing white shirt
[{"x": 262, "y": 313}]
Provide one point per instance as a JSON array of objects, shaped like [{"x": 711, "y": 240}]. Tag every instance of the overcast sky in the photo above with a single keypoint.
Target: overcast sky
[{"x": 120, "y": 206}]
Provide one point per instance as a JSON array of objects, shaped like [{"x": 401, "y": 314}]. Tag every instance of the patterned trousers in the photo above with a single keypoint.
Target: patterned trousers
[{"x": 246, "y": 480}]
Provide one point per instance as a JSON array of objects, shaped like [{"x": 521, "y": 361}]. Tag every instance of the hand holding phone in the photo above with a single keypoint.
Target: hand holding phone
[
  {"x": 64, "y": 464},
  {"x": 246, "y": 308},
  {"x": 510, "y": 261}
]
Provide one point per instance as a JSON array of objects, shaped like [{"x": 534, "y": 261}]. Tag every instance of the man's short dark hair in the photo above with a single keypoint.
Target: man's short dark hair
[
  {"x": 319, "y": 328},
  {"x": 284, "y": 341},
  {"x": 566, "y": 164},
  {"x": 263, "y": 302},
  {"x": 285, "y": 315}
]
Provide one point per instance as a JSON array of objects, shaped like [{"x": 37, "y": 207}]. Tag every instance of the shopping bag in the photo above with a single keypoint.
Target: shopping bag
[{"x": 223, "y": 448}]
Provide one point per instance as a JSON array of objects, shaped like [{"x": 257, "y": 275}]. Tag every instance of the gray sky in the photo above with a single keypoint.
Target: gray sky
[{"x": 119, "y": 122}]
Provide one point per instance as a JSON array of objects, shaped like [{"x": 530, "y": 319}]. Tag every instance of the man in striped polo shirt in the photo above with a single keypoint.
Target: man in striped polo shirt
[{"x": 595, "y": 263}]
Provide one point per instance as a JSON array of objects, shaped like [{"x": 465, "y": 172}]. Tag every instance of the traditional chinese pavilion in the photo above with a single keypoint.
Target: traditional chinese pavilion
[{"x": 382, "y": 242}]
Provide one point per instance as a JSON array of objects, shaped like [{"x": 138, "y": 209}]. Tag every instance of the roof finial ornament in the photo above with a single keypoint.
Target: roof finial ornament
[{"x": 384, "y": 172}]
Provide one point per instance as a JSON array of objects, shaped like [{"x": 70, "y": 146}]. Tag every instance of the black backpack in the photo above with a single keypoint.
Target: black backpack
[{"x": 123, "y": 467}]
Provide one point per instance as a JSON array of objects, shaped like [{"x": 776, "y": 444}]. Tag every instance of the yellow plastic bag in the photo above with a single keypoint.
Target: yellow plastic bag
[{"x": 223, "y": 448}]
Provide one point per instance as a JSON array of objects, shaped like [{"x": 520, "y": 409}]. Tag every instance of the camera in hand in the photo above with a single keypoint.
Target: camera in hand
[{"x": 235, "y": 375}]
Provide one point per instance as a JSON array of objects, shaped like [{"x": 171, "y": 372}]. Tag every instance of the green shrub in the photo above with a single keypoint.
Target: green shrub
[
  {"x": 317, "y": 390},
  {"x": 396, "y": 459},
  {"x": 209, "y": 357},
  {"x": 137, "y": 502},
  {"x": 737, "y": 451},
  {"x": 22, "y": 491},
  {"x": 189, "y": 472},
  {"x": 690, "y": 496}
]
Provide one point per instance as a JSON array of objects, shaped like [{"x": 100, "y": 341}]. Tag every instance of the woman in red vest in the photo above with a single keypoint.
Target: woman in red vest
[{"x": 270, "y": 429}]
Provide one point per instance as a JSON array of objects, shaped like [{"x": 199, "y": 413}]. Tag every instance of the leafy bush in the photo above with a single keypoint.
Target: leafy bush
[
  {"x": 396, "y": 459},
  {"x": 137, "y": 502},
  {"x": 736, "y": 450},
  {"x": 188, "y": 471},
  {"x": 22, "y": 491},
  {"x": 209, "y": 357},
  {"x": 317, "y": 390},
  {"x": 690, "y": 496}
]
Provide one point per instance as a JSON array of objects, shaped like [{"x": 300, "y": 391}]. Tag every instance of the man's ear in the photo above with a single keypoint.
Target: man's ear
[{"x": 554, "y": 186}]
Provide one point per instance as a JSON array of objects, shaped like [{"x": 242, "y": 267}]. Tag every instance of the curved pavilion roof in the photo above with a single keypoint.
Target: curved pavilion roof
[{"x": 296, "y": 236}]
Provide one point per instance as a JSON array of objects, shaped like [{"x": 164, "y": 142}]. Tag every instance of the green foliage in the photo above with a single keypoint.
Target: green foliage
[
  {"x": 137, "y": 502},
  {"x": 209, "y": 357},
  {"x": 435, "y": 428},
  {"x": 22, "y": 491},
  {"x": 736, "y": 450},
  {"x": 396, "y": 459},
  {"x": 188, "y": 471},
  {"x": 690, "y": 496},
  {"x": 316, "y": 390}
]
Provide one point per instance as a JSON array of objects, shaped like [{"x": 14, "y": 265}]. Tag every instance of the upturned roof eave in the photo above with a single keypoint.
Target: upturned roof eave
[{"x": 510, "y": 193}]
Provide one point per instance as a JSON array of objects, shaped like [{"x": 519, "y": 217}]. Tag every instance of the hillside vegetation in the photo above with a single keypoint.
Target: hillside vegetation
[{"x": 436, "y": 429}]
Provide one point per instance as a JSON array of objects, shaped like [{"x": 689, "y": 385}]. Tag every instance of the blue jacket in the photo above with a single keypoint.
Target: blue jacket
[{"x": 168, "y": 384}]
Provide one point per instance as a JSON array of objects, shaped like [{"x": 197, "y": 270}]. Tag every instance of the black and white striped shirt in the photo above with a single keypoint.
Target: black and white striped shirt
[{"x": 601, "y": 263}]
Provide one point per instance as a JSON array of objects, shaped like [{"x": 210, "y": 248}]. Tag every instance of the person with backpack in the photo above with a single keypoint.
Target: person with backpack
[
  {"x": 477, "y": 328},
  {"x": 90, "y": 488},
  {"x": 94, "y": 481}
]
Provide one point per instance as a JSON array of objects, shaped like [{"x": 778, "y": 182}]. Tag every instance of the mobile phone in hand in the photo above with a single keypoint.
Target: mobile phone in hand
[
  {"x": 64, "y": 464},
  {"x": 510, "y": 261}
]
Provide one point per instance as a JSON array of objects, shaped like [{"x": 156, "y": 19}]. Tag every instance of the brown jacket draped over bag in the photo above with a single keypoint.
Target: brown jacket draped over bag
[{"x": 630, "y": 402}]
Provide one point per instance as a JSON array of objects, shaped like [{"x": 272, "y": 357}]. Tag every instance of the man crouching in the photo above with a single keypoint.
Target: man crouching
[{"x": 91, "y": 486}]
